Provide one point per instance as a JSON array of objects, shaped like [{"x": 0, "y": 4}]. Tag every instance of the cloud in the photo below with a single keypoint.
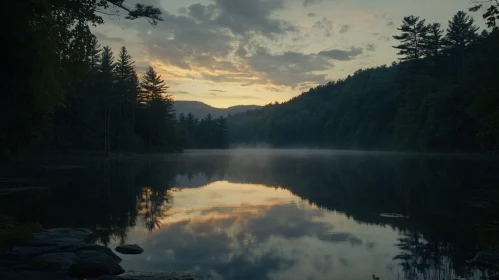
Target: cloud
[
  {"x": 311, "y": 2},
  {"x": 179, "y": 92},
  {"x": 345, "y": 28},
  {"x": 222, "y": 42},
  {"x": 243, "y": 17},
  {"x": 342, "y": 54},
  {"x": 182, "y": 10},
  {"x": 289, "y": 68},
  {"x": 217, "y": 90},
  {"x": 381, "y": 37},
  {"x": 311, "y": 15},
  {"x": 371, "y": 47},
  {"x": 201, "y": 12},
  {"x": 325, "y": 25},
  {"x": 104, "y": 37},
  {"x": 185, "y": 43}
]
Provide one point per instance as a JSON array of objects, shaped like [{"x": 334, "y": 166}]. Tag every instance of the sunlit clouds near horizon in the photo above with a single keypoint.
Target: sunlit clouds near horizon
[{"x": 232, "y": 52}]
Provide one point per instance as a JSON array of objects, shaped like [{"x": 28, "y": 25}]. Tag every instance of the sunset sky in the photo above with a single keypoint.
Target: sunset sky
[{"x": 231, "y": 52}]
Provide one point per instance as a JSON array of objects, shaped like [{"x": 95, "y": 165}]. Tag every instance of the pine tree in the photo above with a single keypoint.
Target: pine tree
[
  {"x": 94, "y": 58},
  {"x": 413, "y": 32},
  {"x": 461, "y": 32},
  {"x": 433, "y": 41},
  {"x": 106, "y": 89},
  {"x": 127, "y": 87},
  {"x": 158, "y": 109},
  {"x": 127, "y": 79},
  {"x": 153, "y": 87}
]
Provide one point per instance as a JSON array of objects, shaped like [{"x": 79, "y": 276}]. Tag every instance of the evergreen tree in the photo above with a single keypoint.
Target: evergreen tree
[
  {"x": 461, "y": 32},
  {"x": 153, "y": 87},
  {"x": 159, "y": 117},
  {"x": 128, "y": 89},
  {"x": 413, "y": 33},
  {"x": 106, "y": 82},
  {"x": 433, "y": 41},
  {"x": 44, "y": 51},
  {"x": 94, "y": 58}
]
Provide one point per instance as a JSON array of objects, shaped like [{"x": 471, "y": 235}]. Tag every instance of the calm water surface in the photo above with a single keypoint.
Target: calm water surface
[{"x": 277, "y": 214}]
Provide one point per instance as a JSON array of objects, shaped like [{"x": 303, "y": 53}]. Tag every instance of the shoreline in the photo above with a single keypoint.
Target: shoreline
[{"x": 68, "y": 253}]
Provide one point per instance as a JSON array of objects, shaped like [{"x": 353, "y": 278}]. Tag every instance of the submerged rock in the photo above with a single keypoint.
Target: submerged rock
[
  {"x": 129, "y": 249},
  {"x": 156, "y": 276}
]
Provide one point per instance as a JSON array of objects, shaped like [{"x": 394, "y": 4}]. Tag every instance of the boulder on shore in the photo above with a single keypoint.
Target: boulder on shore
[
  {"x": 55, "y": 262},
  {"x": 91, "y": 264},
  {"x": 78, "y": 233},
  {"x": 129, "y": 249}
]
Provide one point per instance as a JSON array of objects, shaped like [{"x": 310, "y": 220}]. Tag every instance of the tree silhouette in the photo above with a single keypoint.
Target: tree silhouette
[
  {"x": 413, "y": 31},
  {"x": 461, "y": 32},
  {"x": 51, "y": 41},
  {"x": 433, "y": 41},
  {"x": 158, "y": 113},
  {"x": 491, "y": 14}
]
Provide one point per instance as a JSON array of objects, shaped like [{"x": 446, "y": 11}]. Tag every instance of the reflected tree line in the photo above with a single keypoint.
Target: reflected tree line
[{"x": 452, "y": 203}]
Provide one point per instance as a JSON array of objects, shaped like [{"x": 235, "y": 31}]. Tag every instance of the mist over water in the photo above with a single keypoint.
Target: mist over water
[{"x": 279, "y": 214}]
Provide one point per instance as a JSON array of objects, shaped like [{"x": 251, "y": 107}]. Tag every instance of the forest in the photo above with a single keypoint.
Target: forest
[
  {"x": 64, "y": 92},
  {"x": 443, "y": 95}
]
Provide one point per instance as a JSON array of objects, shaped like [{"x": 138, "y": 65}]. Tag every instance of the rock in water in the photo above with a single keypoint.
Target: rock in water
[
  {"x": 54, "y": 262},
  {"x": 129, "y": 249},
  {"x": 92, "y": 264}
]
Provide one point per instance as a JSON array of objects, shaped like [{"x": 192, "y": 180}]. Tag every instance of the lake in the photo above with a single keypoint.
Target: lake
[{"x": 275, "y": 214}]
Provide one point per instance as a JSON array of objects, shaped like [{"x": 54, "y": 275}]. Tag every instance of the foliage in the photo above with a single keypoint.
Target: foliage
[
  {"x": 49, "y": 50},
  {"x": 491, "y": 14},
  {"x": 431, "y": 101},
  {"x": 413, "y": 31},
  {"x": 207, "y": 133}
]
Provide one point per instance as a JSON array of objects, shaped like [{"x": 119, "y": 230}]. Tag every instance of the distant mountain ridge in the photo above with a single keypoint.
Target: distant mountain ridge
[{"x": 200, "y": 109}]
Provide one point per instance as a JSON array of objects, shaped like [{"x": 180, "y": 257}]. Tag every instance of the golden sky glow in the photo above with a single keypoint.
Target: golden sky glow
[{"x": 231, "y": 52}]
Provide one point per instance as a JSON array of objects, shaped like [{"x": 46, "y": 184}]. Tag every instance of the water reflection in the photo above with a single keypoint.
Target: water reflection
[{"x": 281, "y": 215}]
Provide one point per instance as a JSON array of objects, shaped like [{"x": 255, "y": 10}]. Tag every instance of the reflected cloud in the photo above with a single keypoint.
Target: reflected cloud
[{"x": 248, "y": 232}]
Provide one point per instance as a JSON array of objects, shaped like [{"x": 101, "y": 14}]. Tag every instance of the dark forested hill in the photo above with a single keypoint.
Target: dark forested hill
[
  {"x": 442, "y": 96},
  {"x": 200, "y": 109}
]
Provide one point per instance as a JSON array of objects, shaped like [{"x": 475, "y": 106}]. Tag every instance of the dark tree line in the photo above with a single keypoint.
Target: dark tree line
[
  {"x": 442, "y": 96},
  {"x": 49, "y": 43},
  {"x": 108, "y": 108},
  {"x": 63, "y": 91},
  {"x": 207, "y": 133},
  {"x": 113, "y": 110}
]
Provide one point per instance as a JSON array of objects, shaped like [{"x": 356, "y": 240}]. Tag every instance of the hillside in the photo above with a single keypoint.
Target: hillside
[
  {"x": 443, "y": 102},
  {"x": 200, "y": 109}
]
